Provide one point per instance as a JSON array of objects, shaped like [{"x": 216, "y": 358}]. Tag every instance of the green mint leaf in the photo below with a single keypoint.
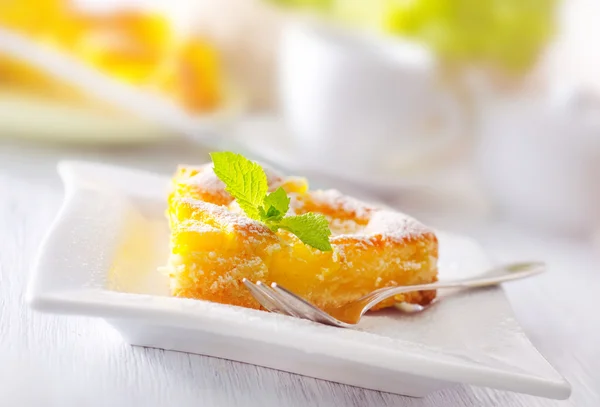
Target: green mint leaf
[
  {"x": 311, "y": 228},
  {"x": 244, "y": 180},
  {"x": 277, "y": 203},
  {"x": 262, "y": 213},
  {"x": 273, "y": 224},
  {"x": 273, "y": 213},
  {"x": 270, "y": 217}
]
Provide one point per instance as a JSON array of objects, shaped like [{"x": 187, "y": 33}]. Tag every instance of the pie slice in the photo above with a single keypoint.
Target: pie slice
[{"x": 214, "y": 246}]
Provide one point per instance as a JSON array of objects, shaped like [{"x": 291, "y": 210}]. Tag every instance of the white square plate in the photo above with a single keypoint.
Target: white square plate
[{"x": 101, "y": 255}]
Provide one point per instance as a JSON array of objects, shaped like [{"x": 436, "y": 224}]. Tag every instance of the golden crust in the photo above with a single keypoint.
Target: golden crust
[{"x": 214, "y": 246}]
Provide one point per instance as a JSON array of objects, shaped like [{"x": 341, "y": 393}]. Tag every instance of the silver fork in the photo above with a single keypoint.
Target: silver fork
[{"x": 280, "y": 300}]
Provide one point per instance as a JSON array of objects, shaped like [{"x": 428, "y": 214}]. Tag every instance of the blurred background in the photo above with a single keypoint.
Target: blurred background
[{"x": 455, "y": 111}]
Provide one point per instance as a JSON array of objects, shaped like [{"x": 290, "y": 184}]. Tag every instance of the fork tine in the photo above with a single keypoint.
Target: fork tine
[
  {"x": 276, "y": 305},
  {"x": 308, "y": 310},
  {"x": 262, "y": 298},
  {"x": 282, "y": 301}
]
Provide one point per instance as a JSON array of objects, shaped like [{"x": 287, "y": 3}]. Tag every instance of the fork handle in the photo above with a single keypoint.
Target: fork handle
[{"x": 495, "y": 276}]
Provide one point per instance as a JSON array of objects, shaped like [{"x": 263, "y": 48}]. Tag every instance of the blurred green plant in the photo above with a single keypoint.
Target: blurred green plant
[
  {"x": 508, "y": 34},
  {"x": 321, "y": 5}
]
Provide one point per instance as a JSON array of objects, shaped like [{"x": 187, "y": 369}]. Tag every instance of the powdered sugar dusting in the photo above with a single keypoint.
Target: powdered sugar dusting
[
  {"x": 396, "y": 225},
  {"x": 357, "y": 222},
  {"x": 197, "y": 227},
  {"x": 207, "y": 180},
  {"x": 339, "y": 202},
  {"x": 344, "y": 226},
  {"x": 229, "y": 220}
]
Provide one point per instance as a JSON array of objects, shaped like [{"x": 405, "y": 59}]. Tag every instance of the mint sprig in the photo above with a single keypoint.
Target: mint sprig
[
  {"x": 246, "y": 181},
  {"x": 311, "y": 228}
]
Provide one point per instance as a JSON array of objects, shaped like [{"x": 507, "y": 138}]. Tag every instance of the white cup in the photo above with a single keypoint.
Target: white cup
[
  {"x": 539, "y": 159},
  {"x": 355, "y": 102}
]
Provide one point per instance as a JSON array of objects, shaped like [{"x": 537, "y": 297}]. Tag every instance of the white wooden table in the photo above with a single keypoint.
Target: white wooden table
[{"x": 71, "y": 361}]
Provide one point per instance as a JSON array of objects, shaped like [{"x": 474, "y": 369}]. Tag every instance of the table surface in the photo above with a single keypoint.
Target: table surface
[{"x": 65, "y": 360}]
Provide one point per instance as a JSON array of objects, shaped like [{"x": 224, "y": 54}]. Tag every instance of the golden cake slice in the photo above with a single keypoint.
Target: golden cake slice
[{"x": 214, "y": 246}]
